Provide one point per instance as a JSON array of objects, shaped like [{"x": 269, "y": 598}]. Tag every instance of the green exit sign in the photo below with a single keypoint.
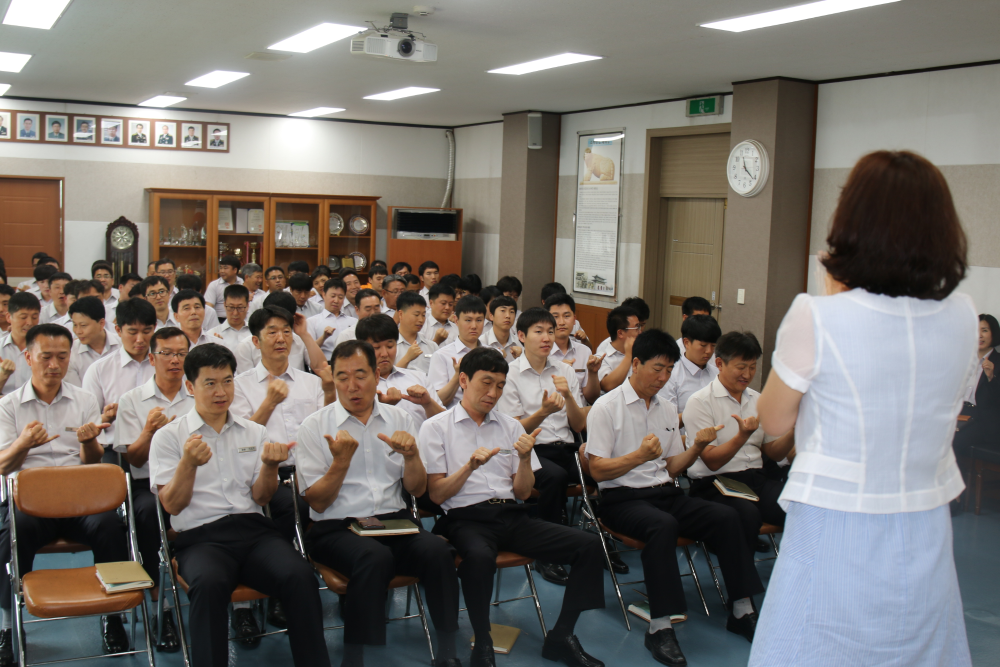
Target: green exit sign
[{"x": 705, "y": 106}]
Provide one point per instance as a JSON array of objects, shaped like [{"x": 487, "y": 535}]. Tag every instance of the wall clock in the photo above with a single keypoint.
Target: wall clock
[
  {"x": 747, "y": 168},
  {"x": 122, "y": 248}
]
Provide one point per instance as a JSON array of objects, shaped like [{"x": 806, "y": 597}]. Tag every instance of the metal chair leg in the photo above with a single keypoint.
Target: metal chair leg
[
  {"x": 147, "y": 633},
  {"x": 697, "y": 583},
  {"x": 774, "y": 544},
  {"x": 538, "y": 605},
  {"x": 132, "y": 615},
  {"x": 496, "y": 596},
  {"x": 408, "y": 593},
  {"x": 423, "y": 616},
  {"x": 614, "y": 580},
  {"x": 711, "y": 568},
  {"x": 22, "y": 649}
]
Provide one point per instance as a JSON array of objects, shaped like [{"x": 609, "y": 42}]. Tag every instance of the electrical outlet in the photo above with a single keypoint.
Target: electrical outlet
[{"x": 741, "y": 296}]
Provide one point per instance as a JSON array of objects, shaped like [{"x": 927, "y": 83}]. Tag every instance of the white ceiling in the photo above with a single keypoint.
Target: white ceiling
[{"x": 126, "y": 51}]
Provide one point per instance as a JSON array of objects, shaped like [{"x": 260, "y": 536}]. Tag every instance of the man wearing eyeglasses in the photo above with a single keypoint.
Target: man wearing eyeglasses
[
  {"x": 166, "y": 269},
  {"x": 234, "y": 328},
  {"x": 156, "y": 290},
  {"x": 392, "y": 287},
  {"x": 623, "y": 326},
  {"x": 141, "y": 413},
  {"x": 215, "y": 297}
]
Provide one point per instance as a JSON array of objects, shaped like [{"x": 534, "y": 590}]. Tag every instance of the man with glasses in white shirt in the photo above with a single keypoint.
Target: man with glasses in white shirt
[
  {"x": 623, "y": 325},
  {"x": 166, "y": 269},
  {"x": 234, "y": 329},
  {"x": 156, "y": 291},
  {"x": 392, "y": 287}
]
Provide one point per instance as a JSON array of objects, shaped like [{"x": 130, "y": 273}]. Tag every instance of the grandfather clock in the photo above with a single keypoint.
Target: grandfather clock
[{"x": 122, "y": 250}]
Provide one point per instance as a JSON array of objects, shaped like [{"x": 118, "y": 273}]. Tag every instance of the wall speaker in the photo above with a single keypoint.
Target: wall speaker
[{"x": 534, "y": 130}]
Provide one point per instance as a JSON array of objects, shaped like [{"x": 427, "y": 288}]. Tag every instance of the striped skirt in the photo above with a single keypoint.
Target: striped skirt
[{"x": 863, "y": 589}]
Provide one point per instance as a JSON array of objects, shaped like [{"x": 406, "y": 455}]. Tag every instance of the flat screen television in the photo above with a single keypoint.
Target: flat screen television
[{"x": 425, "y": 224}]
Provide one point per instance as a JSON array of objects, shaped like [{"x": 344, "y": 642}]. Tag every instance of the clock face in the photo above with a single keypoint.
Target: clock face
[
  {"x": 747, "y": 168},
  {"x": 122, "y": 238}
]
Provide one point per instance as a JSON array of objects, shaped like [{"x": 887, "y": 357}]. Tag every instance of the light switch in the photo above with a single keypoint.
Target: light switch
[{"x": 741, "y": 296}]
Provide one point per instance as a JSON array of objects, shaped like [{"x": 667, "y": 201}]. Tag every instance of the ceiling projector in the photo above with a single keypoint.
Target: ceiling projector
[{"x": 394, "y": 44}]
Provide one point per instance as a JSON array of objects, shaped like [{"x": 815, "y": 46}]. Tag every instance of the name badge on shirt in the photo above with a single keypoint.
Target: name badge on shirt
[
  {"x": 244, "y": 450},
  {"x": 72, "y": 429}
]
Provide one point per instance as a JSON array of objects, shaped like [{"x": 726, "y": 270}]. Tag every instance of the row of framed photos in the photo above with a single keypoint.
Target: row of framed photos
[{"x": 110, "y": 131}]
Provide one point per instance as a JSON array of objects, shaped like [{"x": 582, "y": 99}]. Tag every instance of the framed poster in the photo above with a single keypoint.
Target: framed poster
[
  {"x": 5, "y": 130},
  {"x": 56, "y": 127},
  {"x": 84, "y": 129},
  {"x": 138, "y": 132},
  {"x": 166, "y": 134},
  {"x": 111, "y": 131},
  {"x": 218, "y": 137},
  {"x": 598, "y": 211},
  {"x": 27, "y": 126},
  {"x": 191, "y": 135}
]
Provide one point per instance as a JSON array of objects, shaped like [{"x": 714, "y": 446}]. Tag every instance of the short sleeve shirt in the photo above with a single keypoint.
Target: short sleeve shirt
[
  {"x": 442, "y": 369},
  {"x": 72, "y": 408},
  {"x": 134, "y": 407},
  {"x": 110, "y": 377},
  {"x": 83, "y": 356},
  {"x": 577, "y": 353},
  {"x": 525, "y": 388},
  {"x": 422, "y": 363}
]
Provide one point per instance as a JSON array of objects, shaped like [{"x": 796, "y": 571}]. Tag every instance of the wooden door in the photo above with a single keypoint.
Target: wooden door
[
  {"x": 31, "y": 220},
  {"x": 693, "y": 252}
]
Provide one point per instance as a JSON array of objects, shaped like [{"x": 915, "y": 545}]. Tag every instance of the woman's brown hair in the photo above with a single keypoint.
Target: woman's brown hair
[{"x": 895, "y": 231}]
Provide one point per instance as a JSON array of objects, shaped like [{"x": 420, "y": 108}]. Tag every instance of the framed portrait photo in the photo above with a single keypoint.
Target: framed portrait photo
[
  {"x": 27, "y": 126},
  {"x": 56, "y": 127},
  {"x": 6, "y": 132},
  {"x": 139, "y": 132},
  {"x": 84, "y": 129},
  {"x": 191, "y": 135},
  {"x": 111, "y": 131},
  {"x": 217, "y": 137},
  {"x": 166, "y": 134}
]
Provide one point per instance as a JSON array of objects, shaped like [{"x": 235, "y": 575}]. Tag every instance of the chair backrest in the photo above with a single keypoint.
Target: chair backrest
[{"x": 69, "y": 491}]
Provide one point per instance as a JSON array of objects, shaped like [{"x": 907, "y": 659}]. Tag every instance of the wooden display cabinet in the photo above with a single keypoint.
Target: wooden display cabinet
[{"x": 341, "y": 244}]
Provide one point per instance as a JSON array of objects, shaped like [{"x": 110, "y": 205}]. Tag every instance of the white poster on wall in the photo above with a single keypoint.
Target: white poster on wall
[{"x": 598, "y": 206}]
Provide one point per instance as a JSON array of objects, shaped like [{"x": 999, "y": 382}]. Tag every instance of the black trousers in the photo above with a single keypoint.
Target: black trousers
[
  {"x": 372, "y": 562},
  {"x": 658, "y": 517},
  {"x": 480, "y": 531},
  {"x": 554, "y": 477},
  {"x": 283, "y": 510},
  {"x": 247, "y": 549},
  {"x": 104, "y": 533},
  {"x": 147, "y": 528},
  {"x": 752, "y": 514}
]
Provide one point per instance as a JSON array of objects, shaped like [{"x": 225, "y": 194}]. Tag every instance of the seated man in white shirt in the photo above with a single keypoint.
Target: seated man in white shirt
[
  {"x": 692, "y": 306},
  {"x": 429, "y": 274},
  {"x": 352, "y": 282},
  {"x": 438, "y": 327},
  {"x": 568, "y": 348},
  {"x": 327, "y": 325},
  {"x": 728, "y": 400},
  {"x": 377, "y": 273},
  {"x": 93, "y": 339},
  {"x": 641, "y": 309},
  {"x": 253, "y": 278},
  {"x": 167, "y": 269},
  {"x": 229, "y": 270},
  {"x": 213, "y": 472},
  {"x": 443, "y": 372},
  {"x": 635, "y": 453},
  {"x": 511, "y": 286},
  {"x": 189, "y": 281},
  {"x": 550, "y": 290},
  {"x": 367, "y": 303},
  {"x": 57, "y": 311},
  {"x": 413, "y": 349},
  {"x": 319, "y": 278},
  {"x": 22, "y": 314},
  {"x": 392, "y": 287},
  {"x": 500, "y": 336},
  {"x": 104, "y": 274},
  {"x": 44, "y": 423},
  {"x": 696, "y": 367},
  {"x": 42, "y": 272},
  {"x": 542, "y": 392},
  {"x": 305, "y": 353},
  {"x": 357, "y": 458},
  {"x": 125, "y": 285},
  {"x": 300, "y": 286},
  {"x": 156, "y": 291},
  {"x": 81, "y": 289},
  {"x": 623, "y": 325},
  {"x": 141, "y": 413},
  {"x": 189, "y": 312},
  {"x": 274, "y": 281},
  {"x": 236, "y": 300},
  {"x": 479, "y": 461}
]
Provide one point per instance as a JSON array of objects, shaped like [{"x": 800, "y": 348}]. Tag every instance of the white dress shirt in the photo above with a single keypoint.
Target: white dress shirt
[
  {"x": 489, "y": 339},
  {"x": 349, "y": 309},
  {"x": 346, "y": 335},
  {"x": 22, "y": 371},
  {"x": 386, "y": 310},
  {"x": 421, "y": 364},
  {"x": 576, "y": 352},
  {"x": 402, "y": 379},
  {"x": 611, "y": 362},
  {"x": 226, "y": 335},
  {"x": 247, "y": 355},
  {"x": 82, "y": 356},
  {"x": 713, "y": 405},
  {"x": 447, "y": 441},
  {"x": 373, "y": 484},
  {"x": 431, "y": 326},
  {"x": 604, "y": 345},
  {"x": 686, "y": 379},
  {"x": 442, "y": 369},
  {"x": 616, "y": 425},
  {"x": 72, "y": 408},
  {"x": 224, "y": 485},
  {"x": 319, "y": 322},
  {"x": 49, "y": 315},
  {"x": 134, "y": 407},
  {"x": 110, "y": 377},
  {"x": 522, "y": 396},
  {"x": 215, "y": 296},
  {"x": 426, "y": 293},
  {"x": 305, "y": 396},
  {"x": 310, "y": 308}
]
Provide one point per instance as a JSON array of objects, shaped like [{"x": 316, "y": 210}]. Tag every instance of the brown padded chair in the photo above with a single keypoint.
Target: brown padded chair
[{"x": 62, "y": 493}]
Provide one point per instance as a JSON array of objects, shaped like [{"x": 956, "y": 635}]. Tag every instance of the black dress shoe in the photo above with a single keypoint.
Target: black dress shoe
[
  {"x": 115, "y": 639},
  {"x": 552, "y": 573},
  {"x": 169, "y": 642},
  {"x": 664, "y": 647},
  {"x": 568, "y": 650},
  {"x": 761, "y": 546},
  {"x": 246, "y": 627},
  {"x": 7, "y": 648},
  {"x": 483, "y": 656},
  {"x": 448, "y": 662},
  {"x": 276, "y": 613},
  {"x": 617, "y": 564},
  {"x": 745, "y": 627}
]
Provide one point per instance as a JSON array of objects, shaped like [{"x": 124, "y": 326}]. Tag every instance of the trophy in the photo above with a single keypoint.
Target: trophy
[
  {"x": 223, "y": 249},
  {"x": 239, "y": 254},
  {"x": 253, "y": 252}
]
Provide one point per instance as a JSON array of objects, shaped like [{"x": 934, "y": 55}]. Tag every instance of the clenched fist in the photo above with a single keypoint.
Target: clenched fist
[
  {"x": 275, "y": 453},
  {"x": 417, "y": 395},
  {"x": 391, "y": 396},
  {"x": 277, "y": 391},
  {"x": 196, "y": 451},
  {"x": 156, "y": 420},
  {"x": 440, "y": 336},
  {"x": 526, "y": 443},
  {"x": 706, "y": 435},
  {"x": 650, "y": 449},
  {"x": 594, "y": 362},
  {"x": 90, "y": 431},
  {"x": 7, "y": 368},
  {"x": 412, "y": 353},
  {"x": 342, "y": 447},
  {"x": 515, "y": 351},
  {"x": 562, "y": 385},
  {"x": 109, "y": 413},
  {"x": 401, "y": 442}
]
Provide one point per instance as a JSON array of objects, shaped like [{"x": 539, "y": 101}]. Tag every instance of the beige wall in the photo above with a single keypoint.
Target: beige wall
[{"x": 478, "y": 168}]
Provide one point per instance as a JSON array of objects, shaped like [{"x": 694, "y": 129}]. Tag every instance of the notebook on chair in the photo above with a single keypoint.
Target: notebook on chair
[
  {"x": 734, "y": 489},
  {"x": 122, "y": 576}
]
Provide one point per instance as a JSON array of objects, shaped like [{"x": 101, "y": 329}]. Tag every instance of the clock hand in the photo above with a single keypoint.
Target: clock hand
[{"x": 745, "y": 168}]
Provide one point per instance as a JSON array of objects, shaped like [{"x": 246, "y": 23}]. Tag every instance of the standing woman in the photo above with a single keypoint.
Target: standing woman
[{"x": 866, "y": 574}]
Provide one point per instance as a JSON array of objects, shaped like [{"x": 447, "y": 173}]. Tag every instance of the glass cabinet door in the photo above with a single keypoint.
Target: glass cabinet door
[
  {"x": 296, "y": 231},
  {"x": 183, "y": 232},
  {"x": 241, "y": 225},
  {"x": 350, "y": 237}
]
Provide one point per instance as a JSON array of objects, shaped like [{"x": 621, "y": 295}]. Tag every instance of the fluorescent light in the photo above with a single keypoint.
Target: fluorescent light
[
  {"x": 545, "y": 63},
  {"x": 217, "y": 78},
  {"x": 13, "y": 62},
  {"x": 318, "y": 111},
  {"x": 315, "y": 37},
  {"x": 608, "y": 138},
  {"x": 34, "y": 13},
  {"x": 162, "y": 101},
  {"x": 402, "y": 92},
  {"x": 792, "y": 14},
  {"x": 4, "y": 87}
]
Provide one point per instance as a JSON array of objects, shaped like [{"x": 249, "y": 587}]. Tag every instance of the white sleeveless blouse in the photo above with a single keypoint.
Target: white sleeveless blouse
[{"x": 883, "y": 379}]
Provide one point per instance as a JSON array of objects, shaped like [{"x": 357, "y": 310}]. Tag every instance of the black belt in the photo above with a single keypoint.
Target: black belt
[{"x": 498, "y": 501}]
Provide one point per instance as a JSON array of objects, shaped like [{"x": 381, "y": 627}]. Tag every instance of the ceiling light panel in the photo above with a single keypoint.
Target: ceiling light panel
[
  {"x": 34, "y": 13},
  {"x": 402, "y": 92},
  {"x": 545, "y": 63},
  {"x": 316, "y": 37},
  {"x": 13, "y": 62},
  {"x": 217, "y": 78},
  {"x": 792, "y": 14},
  {"x": 318, "y": 111},
  {"x": 162, "y": 101},
  {"x": 4, "y": 87}
]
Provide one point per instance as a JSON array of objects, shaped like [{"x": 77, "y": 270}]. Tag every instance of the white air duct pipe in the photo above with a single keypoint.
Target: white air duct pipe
[{"x": 446, "y": 202}]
